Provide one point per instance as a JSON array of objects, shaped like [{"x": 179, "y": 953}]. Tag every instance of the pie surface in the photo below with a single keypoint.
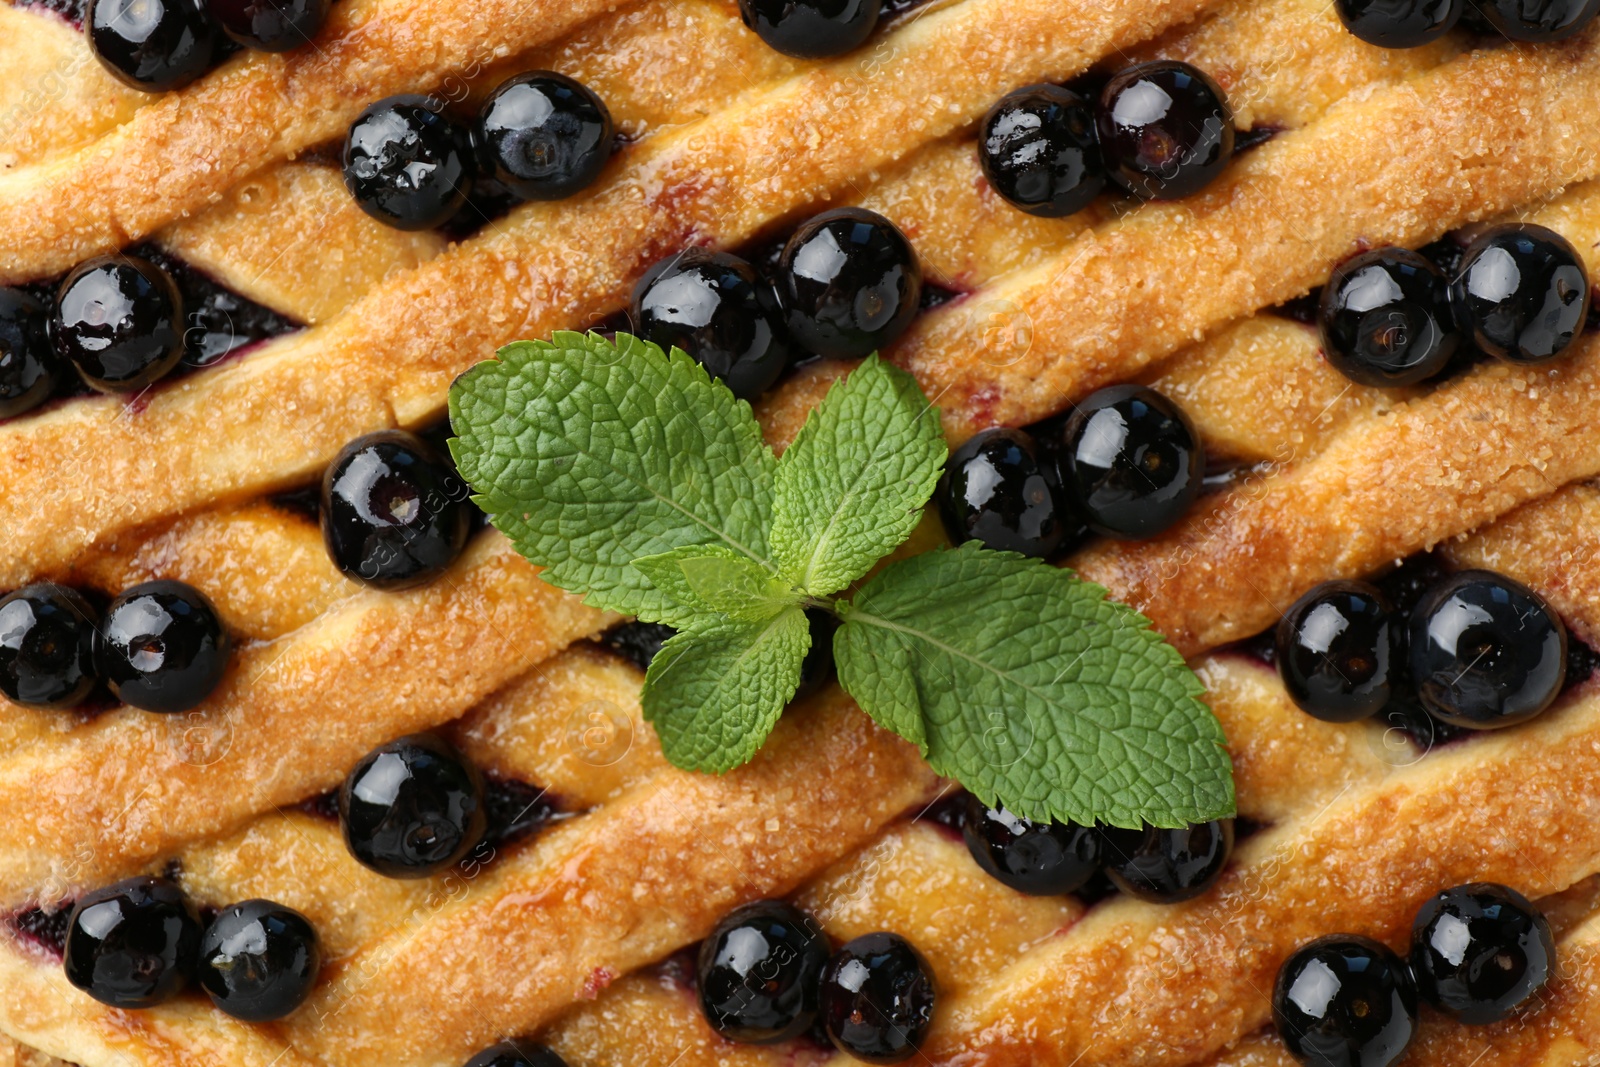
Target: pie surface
[{"x": 578, "y": 934}]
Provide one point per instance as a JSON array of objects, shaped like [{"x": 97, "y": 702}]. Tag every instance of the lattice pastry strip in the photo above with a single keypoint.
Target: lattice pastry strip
[{"x": 288, "y": 408}]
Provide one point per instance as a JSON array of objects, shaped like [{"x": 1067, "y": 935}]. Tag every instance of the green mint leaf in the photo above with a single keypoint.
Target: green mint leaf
[
  {"x": 715, "y": 579},
  {"x": 852, "y": 486},
  {"x": 1026, "y": 685},
  {"x": 714, "y": 694},
  {"x": 590, "y": 455}
]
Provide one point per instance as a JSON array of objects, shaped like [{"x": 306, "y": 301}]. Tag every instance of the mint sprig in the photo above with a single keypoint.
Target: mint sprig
[{"x": 638, "y": 481}]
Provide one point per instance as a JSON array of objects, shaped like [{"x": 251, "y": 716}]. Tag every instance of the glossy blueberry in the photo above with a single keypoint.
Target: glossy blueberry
[
  {"x": 394, "y": 512},
  {"x": 133, "y": 944},
  {"x": 716, "y": 308},
  {"x": 1166, "y": 866},
  {"x": 1165, "y": 129},
  {"x": 516, "y": 1054},
  {"x": 812, "y": 29},
  {"x": 544, "y": 136},
  {"x": 1336, "y": 651},
  {"x": 407, "y": 165},
  {"x": 1039, "y": 150},
  {"x": 1345, "y": 1001},
  {"x": 259, "y": 960},
  {"x": 152, "y": 45},
  {"x": 29, "y": 368},
  {"x": 1480, "y": 951},
  {"x": 270, "y": 25},
  {"x": 1486, "y": 651},
  {"x": 162, "y": 647},
  {"x": 412, "y": 807},
  {"x": 878, "y": 995},
  {"x": 1522, "y": 293},
  {"x": 1385, "y": 318},
  {"x": 996, "y": 490},
  {"x": 1399, "y": 23},
  {"x": 46, "y": 646},
  {"x": 119, "y": 321},
  {"x": 1537, "y": 21},
  {"x": 759, "y": 971},
  {"x": 1041, "y": 859},
  {"x": 1130, "y": 461},
  {"x": 849, "y": 282}
]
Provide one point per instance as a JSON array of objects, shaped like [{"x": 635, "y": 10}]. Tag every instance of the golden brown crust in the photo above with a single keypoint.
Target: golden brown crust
[
  {"x": 1400, "y": 165},
  {"x": 130, "y": 786},
  {"x": 392, "y": 356}
]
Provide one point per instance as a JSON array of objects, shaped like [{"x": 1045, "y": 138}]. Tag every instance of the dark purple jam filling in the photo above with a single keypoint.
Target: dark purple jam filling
[
  {"x": 892, "y": 8},
  {"x": 1302, "y": 309},
  {"x": 323, "y": 805},
  {"x": 71, "y": 10},
  {"x": 44, "y": 930},
  {"x": 221, "y": 322},
  {"x": 305, "y": 502},
  {"x": 488, "y": 202},
  {"x": 681, "y": 970},
  {"x": 944, "y": 814},
  {"x": 636, "y": 642},
  {"x": 1254, "y": 137},
  {"x": 936, "y": 295}
]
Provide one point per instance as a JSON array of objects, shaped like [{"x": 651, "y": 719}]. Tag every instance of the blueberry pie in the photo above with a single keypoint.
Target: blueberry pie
[{"x": 1274, "y": 319}]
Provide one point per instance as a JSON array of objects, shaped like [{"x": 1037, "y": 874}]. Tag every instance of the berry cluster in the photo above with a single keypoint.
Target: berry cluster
[
  {"x": 1126, "y": 462},
  {"x": 846, "y": 284},
  {"x": 1478, "y": 953},
  {"x": 160, "y": 45},
  {"x": 1163, "y": 866},
  {"x": 140, "y": 942},
  {"x": 766, "y": 975},
  {"x": 1160, "y": 130},
  {"x": 1479, "y": 651},
  {"x": 1390, "y": 316},
  {"x": 160, "y": 646},
  {"x": 539, "y": 136},
  {"x": 1411, "y": 23}
]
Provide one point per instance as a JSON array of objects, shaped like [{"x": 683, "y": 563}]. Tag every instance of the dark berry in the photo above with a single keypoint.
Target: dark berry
[
  {"x": 759, "y": 971},
  {"x": 1345, "y": 1001},
  {"x": 849, "y": 282},
  {"x": 1385, "y": 318},
  {"x": 46, "y": 646},
  {"x": 394, "y": 513},
  {"x": 812, "y": 29},
  {"x": 407, "y": 165},
  {"x": 996, "y": 490},
  {"x": 162, "y": 647},
  {"x": 1039, "y": 150},
  {"x": 1536, "y": 21},
  {"x": 1399, "y": 23},
  {"x": 1480, "y": 951},
  {"x": 133, "y": 944},
  {"x": 119, "y": 321},
  {"x": 1166, "y": 866},
  {"x": 1131, "y": 461},
  {"x": 1336, "y": 651},
  {"x": 544, "y": 136},
  {"x": 716, "y": 308},
  {"x": 877, "y": 998},
  {"x": 1486, "y": 651},
  {"x": 29, "y": 368},
  {"x": 1042, "y": 859},
  {"x": 516, "y": 1054},
  {"x": 1165, "y": 129},
  {"x": 152, "y": 45},
  {"x": 259, "y": 960},
  {"x": 412, "y": 807},
  {"x": 637, "y": 642},
  {"x": 1522, "y": 293},
  {"x": 270, "y": 25}
]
